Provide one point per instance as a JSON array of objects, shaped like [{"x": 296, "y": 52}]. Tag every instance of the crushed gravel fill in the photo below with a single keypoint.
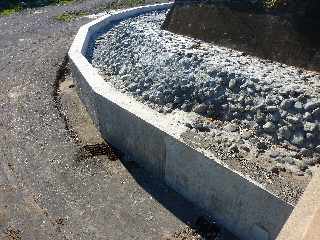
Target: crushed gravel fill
[{"x": 279, "y": 103}]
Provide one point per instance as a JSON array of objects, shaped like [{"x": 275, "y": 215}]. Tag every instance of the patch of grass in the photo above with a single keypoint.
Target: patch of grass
[
  {"x": 69, "y": 16},
  {"x": 63, "y": 1},
  {"x": 133, "y": 3},
  {"x": 121, "y": 4},
  {"x": 9, "y": 11},
  {"x": 8, "y": 7}
]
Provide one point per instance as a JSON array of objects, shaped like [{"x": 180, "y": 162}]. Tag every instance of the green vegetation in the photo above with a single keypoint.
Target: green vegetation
[
  {"x": 121, "y": 4},
  {"x": 133, "y": 3},
  {"x": 9, "y": 11},
  {"x": 8, "y": 7},
  {"x": 274, "y": 3},
  {"x": 69, "y": 16}
]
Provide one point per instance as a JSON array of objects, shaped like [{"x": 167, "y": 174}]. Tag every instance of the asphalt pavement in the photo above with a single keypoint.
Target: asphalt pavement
[{"x": 57, "y": 180}]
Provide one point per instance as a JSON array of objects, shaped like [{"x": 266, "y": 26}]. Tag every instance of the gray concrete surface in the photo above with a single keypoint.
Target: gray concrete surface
[
  {"x": 51, "y": 185},
  {"x": 152, "y": 139}
]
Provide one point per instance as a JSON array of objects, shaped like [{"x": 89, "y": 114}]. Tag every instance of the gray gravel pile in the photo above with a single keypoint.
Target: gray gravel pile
[{"x": 170, "y": 72}]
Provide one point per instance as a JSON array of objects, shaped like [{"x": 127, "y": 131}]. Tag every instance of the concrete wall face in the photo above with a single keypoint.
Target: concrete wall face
[
  {"x": 140, "y": 141},
  {"x": 224, "y": 193},
  {"x": 141, "y": 134}
]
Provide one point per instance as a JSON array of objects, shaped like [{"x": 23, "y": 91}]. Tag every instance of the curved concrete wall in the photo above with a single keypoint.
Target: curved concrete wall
[{"x": 153, "y": 140}]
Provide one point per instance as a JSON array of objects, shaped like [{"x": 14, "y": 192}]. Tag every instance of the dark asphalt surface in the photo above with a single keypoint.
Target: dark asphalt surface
[{"x": 46, "y": 190}]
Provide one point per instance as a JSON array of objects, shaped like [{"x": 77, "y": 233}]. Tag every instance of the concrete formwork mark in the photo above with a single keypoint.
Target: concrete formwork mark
[{"x": 152, "y": 140}]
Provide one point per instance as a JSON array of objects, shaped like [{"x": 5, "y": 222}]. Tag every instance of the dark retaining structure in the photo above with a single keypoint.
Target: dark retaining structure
[{"x": 285, "y": 33}]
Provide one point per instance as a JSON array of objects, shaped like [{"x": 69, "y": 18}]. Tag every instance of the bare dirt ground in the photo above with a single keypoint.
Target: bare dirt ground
[{"x": 58, "y": 178}]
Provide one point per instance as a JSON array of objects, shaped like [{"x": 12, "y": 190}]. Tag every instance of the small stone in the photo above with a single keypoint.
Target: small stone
[
  {"x": 299, "y": 173},
  {"x": 309, "y": 136},
  {"x": 274, "y": 170},
  {"x": 295, "y": 93},
  {"x": 232, "y": 127},
  {"x": 200, "y": 108},
  {"x": 236, "y": 115},
  {"x": 188, "y": 125},
  {"x": 302, "y": 165},
  {"x": 177, "y": 100},
  {"x": 284, "y": 114},
  {"x": 281, "y": 167},
  {"x": 259, "y": 117},
  {"x": 234, "y": 148},
  {"x": 145, "y": 96},
  {"x": 306, "y": 152},
  {"x": 186, "y": 107},
  {"x": 279, "y": 160},
  {"x": 259, "y": 106},
  {"x": 311, "y": 161},
  {"x": 232, "y": 83},
  {"x": 262, "y": 145},
  {"x": 310, "y": 127},
  {"x": 298, "y": 106},
  {"x": 287, "y": 104},
  {"x": 275, "y": 117},
  {"x": 241, "y": 99},
  {"x": 250, "y": 90},
  {"x": 298, "y": 138},
  {"x": 289, "y": 160},
  {"x": 159, "y": 100},
  {"x": 132, "y": 86},
  {"x": 274, "y": 154},
  {"x": 202, "y": 128},
  {"x": 272, "y": 108},
  {"x": 307, "y": 116},
  {"x": 245, "y": 148},
  {"x": 225, "y": 107},
  {"x": 308, "y": 172},
  {"x": 269, "y": 127},
  {"x": 302, "y": 97},
  {"x": 125, "y": 77},
  {"x": 246, "y": 135},
  {"x": 311, "y": 106},
  {"x": 211, "y": 113},
  {"x": 316, "y": 113},
  {"x": 167, "y": 110},
  {"x": 293, "y": 120}
]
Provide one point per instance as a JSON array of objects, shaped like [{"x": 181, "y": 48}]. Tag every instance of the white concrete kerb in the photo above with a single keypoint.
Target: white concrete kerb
[{"x": 153, "y": 140}]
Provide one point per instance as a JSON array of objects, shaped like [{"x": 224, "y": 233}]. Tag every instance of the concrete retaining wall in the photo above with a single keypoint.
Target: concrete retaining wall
[
  {"x": 303, "y": 223},
  {"x": 152, "y": 140}
]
